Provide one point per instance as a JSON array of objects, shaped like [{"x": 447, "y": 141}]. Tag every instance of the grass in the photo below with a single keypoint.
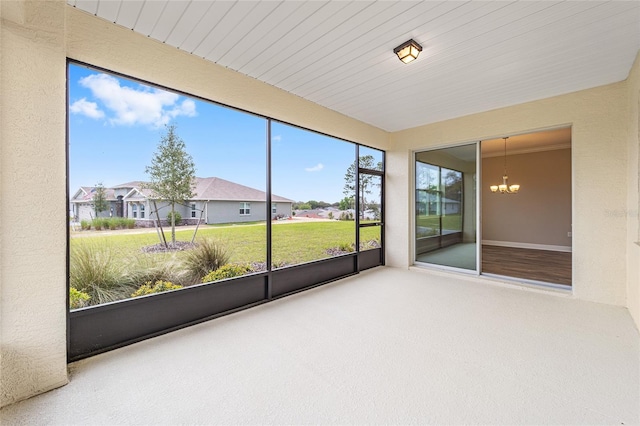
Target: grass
[
  {"x": 291, "y": 242},
  {"x": 453, "y": 221},
  {"x": 111, "y": 267}
]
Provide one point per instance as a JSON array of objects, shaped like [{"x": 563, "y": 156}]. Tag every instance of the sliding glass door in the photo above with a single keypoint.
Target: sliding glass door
[{"x": 445, "y": 207}]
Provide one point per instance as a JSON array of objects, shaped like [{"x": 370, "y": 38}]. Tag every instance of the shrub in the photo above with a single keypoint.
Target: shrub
[
  {"x": 178, "y": 218},
  {"x": 151, "y": 267},
  {"x": 93, "y": 270},
  {"x": 208, "y": 256},
  {"x": 113, "y": 224},
  {"x": 346, "y": 216},
  {"x": 157, "y": 287},
  {"x": 130, "y": 223},
  {"x": 227, "y": 271},
  {"x": 78, "y": 299},
  {"x": 97, "y": 224},
  {"x": 85, "y": 225},
  {"x": 348, "y": 247}
]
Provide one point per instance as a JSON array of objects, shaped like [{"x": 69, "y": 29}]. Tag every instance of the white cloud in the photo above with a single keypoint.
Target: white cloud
[
  {"x": 315, "y": 168},
  {"x": 276, "y": 138},
  {"x": 130, "y": 106},
  {"x": 84, "y": 107}
]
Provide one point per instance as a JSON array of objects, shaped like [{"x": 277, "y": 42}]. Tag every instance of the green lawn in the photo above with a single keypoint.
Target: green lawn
[
  {"x": 111, "y": 266},
  {"x": 292, "y": 242},
  {"x": 452, "y": 222}
]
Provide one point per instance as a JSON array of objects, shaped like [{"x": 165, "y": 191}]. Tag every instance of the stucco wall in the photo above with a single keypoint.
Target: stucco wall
[
  {"x": 33, "y": 348},
  {"x": 633, "y": 197},
  {"x": 541, "y": 212},
  {"x": 599, "y": 136}
]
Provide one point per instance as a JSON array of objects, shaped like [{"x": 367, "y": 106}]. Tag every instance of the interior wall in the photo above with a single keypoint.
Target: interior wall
[
  {"x": 599, "y": 120},
  {"x": 33, "y": 348},
  {"x": 633, "y": 197},
  {"x": 540, "y": 214},
  {"x": 36, "y": 39}
]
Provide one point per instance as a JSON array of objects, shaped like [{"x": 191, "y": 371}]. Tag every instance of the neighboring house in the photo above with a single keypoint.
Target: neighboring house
[
  {"x": 215, "y": 201},
  {"x": 429, "y": 203}
]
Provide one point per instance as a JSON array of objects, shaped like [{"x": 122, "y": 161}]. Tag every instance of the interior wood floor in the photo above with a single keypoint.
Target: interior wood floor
[{"x": 539, "y": 265}]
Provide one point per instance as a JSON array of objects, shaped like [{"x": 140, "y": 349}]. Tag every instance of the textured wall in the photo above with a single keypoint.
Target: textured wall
[
  {"x": 541, "y": 212},
  {"x": 599, "y": 136},
  {"x": 32, "y": 246},
  {"x": 633, "y": 198}
]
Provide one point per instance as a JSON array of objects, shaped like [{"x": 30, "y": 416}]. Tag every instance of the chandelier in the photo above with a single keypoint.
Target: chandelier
[{"x": 505, "y": 188}]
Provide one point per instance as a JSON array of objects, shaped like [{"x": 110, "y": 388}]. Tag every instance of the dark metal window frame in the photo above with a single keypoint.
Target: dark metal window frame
[
  {"x": 102, "y": 328},
  {"x": 443, "y": 240}
]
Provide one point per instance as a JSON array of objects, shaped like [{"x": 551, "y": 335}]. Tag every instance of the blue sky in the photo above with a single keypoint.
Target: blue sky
[{"x": 115, "y": 125}]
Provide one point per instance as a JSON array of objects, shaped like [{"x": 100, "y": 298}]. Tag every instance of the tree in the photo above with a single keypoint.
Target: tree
[
  {"x": 366, "y": 181},
  {"x": 453, "y": 185},
  {"x": 100, "y": 203},
  {"x": 171, "y": 173},
  {"x": 345, "y": 203}
]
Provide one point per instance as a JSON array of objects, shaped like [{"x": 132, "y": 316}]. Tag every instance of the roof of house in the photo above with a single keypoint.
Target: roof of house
[
  {"x": 210, "y": 188},
  {"x": 214, "y": 188}
]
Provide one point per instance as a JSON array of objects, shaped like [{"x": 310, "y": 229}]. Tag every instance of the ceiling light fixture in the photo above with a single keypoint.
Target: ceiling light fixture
[
  {"x": 408, "y": 51},
  {"x": 505, "y": 188}
]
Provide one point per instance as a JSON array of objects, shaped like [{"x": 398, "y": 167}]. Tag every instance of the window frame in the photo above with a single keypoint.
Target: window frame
[
  {"x": 100, "y": 328},
  {"x": 245, "y": 208}
]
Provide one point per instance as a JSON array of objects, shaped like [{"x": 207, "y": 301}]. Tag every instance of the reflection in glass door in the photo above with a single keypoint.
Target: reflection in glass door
[{"x": 445, "y": 207}]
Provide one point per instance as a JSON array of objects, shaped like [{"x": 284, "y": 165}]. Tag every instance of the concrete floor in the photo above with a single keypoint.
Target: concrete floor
[{"x": 388, "y": 346}]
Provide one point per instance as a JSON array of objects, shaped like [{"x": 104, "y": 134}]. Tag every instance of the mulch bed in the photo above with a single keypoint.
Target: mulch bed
[{"x": 161, "y": 248}]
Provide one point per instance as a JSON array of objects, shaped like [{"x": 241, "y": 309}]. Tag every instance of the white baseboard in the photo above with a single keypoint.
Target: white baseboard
[{"x": 526, "y": 245}]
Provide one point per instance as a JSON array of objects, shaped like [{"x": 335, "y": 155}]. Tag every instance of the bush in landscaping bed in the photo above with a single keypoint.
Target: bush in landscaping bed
[
  {"x": 94, "y": 270},
  {"x": 178, "y": 218},
  {"x": 208, "y": 256},
  {"x": 157, "y": 287},
  {"x": 78, "y": 299},
  {"x": 227, "y": 271},
  {"x": 148, "y": 267},
  {"x": 85, "y": 225}
]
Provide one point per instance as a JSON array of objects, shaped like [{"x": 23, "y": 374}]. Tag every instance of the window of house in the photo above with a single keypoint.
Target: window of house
[
  {"x": 141, "y": 211},
  {"x": 193, "y": 210},
  {"x": 245, "y": 209},
  {"x": 134, "y": 209},
  {"x": 274, "y": 208}
]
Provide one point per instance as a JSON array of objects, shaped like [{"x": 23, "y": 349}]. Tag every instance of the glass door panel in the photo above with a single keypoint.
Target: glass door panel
[{"x": 445, "y": 210}]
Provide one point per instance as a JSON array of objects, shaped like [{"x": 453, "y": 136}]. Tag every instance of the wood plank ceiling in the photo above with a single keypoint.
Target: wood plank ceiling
[{"x": 476, "y": 56}]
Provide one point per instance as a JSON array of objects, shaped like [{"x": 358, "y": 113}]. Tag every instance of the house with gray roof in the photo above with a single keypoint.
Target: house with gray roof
[{"x": 215, "y": 201}]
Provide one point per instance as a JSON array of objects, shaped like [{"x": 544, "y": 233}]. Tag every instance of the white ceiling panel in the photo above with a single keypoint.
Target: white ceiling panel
[
  {"x": 476, "y": 55},
  {"x": 149, "y": 16},
  {"x": 193, "y": 14},
  {"x": 293, "y": 41},
  {"x": 129, "y": 12},
  {"x": 108, "y": 10},
  {"x": 271, "y": 29},
  {"x": 168, "y": 20},
  {"x": 230, "y": 21},
  {"x": 235, "y": 35},
  {"x": 205, "y": 25}
]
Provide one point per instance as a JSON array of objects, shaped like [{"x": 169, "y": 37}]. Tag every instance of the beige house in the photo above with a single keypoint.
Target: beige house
[
  {"x": 215, "y": 200},
  {"x": 39, "y": 36}
]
